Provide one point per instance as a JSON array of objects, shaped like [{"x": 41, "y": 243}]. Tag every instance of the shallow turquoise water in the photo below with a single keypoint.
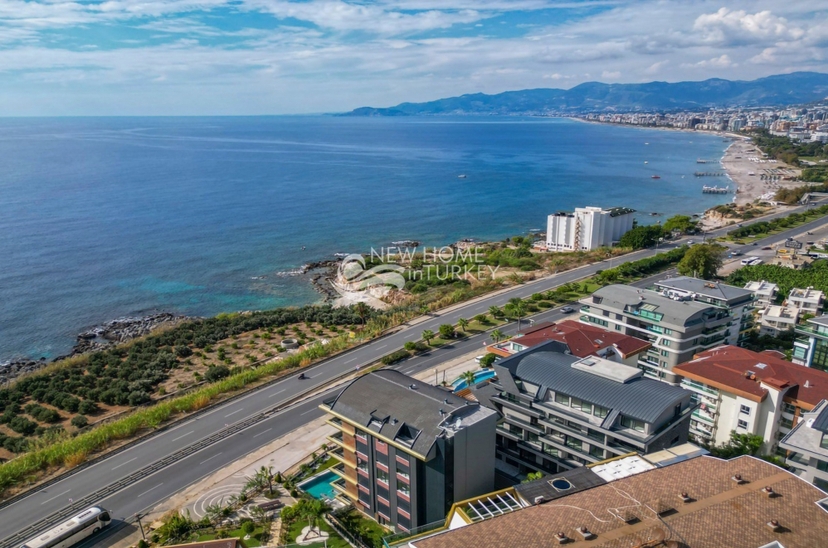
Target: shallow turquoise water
[{"x": 109, "y": 217}]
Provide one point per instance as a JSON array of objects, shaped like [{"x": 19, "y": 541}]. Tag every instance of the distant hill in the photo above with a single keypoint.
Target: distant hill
[{"x": 782, "y": 89}]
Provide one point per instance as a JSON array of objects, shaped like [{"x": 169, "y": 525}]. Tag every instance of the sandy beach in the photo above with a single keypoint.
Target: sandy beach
[{"x": 755, "y": 177}]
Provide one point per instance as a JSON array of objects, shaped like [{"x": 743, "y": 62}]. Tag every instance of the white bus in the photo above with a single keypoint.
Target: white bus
[{"x": 71, "y": 531}]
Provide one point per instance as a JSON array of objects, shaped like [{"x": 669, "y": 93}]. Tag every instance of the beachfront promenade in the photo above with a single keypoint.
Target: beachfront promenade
[{"x": 149, "y": 472}]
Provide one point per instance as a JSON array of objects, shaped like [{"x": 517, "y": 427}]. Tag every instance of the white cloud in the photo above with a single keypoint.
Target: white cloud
[
  {"x": 611, "y": 75},
  {"x": 738, "y": 26},
  {"x": 723, "y": 61}
]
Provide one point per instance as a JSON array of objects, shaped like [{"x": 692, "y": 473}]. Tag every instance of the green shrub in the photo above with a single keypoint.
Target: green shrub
[
  {"x": 79, "y": 421},
  {"x": 395, "y": 357},
  {"x": 216, "y": 373}
]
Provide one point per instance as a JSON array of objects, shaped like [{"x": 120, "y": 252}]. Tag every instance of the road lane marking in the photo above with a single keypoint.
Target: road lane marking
[
  {"x": 351, "y": 360},
  {"x": 233, "y": 413},
  {"x": 381, "y": 347},
  {"x": 127, "y": 462},
  {"x": 150, "y": 489},
  {"x": 56, "y": 496},
  {"x": 205, "y": 460},
  {"x": 277, "y": 393},
  {"x": 183, "y": 435},
  {"x": 263, "y": 432},
  {"x": 308, "y": 411}
]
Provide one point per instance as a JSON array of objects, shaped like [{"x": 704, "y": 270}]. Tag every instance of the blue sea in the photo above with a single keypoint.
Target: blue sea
[{"x": 108, "y": 217}]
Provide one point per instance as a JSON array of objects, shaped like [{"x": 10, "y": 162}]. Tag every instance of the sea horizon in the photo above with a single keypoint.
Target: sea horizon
[{"x": 108, "y": 217}]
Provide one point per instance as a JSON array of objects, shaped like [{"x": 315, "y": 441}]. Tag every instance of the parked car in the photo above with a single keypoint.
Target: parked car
[
  {"x": 754, "y": 243},
  {"x": 767, "y": 248},
  {"x": 567, "y": 310}
]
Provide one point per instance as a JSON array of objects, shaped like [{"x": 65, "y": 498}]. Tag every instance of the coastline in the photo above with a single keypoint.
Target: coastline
[
  {"x": 316, "y": 273},
  {"x": 737, "y": 166}
]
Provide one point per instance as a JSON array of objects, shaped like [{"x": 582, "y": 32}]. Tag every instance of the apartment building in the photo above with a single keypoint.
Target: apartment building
[
  {"x": 581, "y": 340},
  {"x": 811, "y": 346},
  {"x": 736, "y": 389},
  {"x": 703, "y": 502},
  {"x": 560, "y": 411},
  {"x": 739, "y": 302},
  {"x": 677, "y": 327},
  {"x": 409, "y": 450},
  {"x": 808, "y": 301},
  {"x": 807, "y": 446},
  {"x": 764, "y": 293},
  {"x": 774, "y": 320},
  {"x": 587, "y": 228}
]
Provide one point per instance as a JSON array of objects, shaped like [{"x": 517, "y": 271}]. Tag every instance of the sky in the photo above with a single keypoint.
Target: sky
[{"x": 240, "y": 57}]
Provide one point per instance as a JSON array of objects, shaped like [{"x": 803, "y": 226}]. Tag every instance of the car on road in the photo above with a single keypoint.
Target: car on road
[
  {"x": 767, "y": 248},
  {"x": 809, "y": 233},
  {"x": 736, "y": 253},
  {"x": 754, "y": 243},
  {"x": 567, "y": 310}
]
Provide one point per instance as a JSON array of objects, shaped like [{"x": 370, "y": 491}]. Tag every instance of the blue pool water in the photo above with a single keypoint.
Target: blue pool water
[
  {"x": 319, "y": 487},
  {"x": 479, "y": 376}
]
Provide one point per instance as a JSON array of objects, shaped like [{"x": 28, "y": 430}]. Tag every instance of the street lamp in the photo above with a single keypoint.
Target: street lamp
[{"x": 138, "y": 519}]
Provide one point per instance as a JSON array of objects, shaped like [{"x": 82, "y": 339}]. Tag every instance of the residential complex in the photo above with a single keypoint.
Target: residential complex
[
  {"x": 764, "y": 293},
  {"x": 811, "y": 347},
  {"x": 748, "y": 392},
  {"x": 699, "y": 502},
  {"x": 587, "y": 228},
  {"x": 774, "y": 320},
  {"x": 739, "y": 302},
  {"x": 677, "y": 327},
  {"x": 808, "y": 301},
  {"x": 807, "y": 446},
  {"x": 409, "y": 450},
  {"x": 560, "y": 411},
  {"x": 581, "y": 340}
]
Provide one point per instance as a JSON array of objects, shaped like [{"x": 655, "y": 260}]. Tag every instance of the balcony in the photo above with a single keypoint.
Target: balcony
[
  {"x": 707, "y": 419},
  {"x": 536, "y": 428},
  {"x": 517, "y": 406},
  {"x": 503, "y": 430},
  {"x": 340, "y": 471},
  {"x": 810, "y": 331},
  {"x": 698, "y": 387},
  {"x": 346, "y": 458}
]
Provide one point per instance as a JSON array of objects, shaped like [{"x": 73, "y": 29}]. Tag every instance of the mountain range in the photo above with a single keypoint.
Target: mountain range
[{"x": 781, "y": 89}]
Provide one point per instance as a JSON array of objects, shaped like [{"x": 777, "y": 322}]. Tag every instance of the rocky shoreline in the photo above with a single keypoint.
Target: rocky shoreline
[{"x": 97, "y": 338}]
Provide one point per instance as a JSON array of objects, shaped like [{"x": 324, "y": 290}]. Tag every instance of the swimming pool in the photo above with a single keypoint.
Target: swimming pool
[
  {"x": 319, "y": 487},
  {"x": 479, "y": 376}
]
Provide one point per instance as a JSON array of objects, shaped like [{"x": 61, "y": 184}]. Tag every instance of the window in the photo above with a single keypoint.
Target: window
[
  {"x": 668, "y": 331},
  {"x": 665, "y": 353},
  {"x": 596, "y": 452},
  {"x": 382, "y": 476},
  {"x": 742, "y": 424},
  {"x": 575, "y": 403},
  {"x": 561, "y": 398},
  {"x": 599, "y": 411},
  {"x": 403, "y": 488},
  {"x": 574, "y": 443},
  {"x": 617, "y": 327},
  {"x": 628, "y": 422},
  {"x": 666, "y": 342},
  {"x": 786, "y": 423},
  {"x": 586, "y": 407},
  {"x": 824, "y": 442},
  {"x": 744, "y": 409},
  {"x": 788, "y": 408},
  {"x": 663, "y": 363}
]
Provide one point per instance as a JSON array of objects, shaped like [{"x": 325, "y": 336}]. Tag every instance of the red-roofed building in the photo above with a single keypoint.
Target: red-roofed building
[
  {"x": 749, "y": 392},
  {"x": 582, "y": 339}
]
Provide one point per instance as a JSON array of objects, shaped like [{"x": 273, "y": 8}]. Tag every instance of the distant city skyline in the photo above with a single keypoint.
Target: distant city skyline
[{"x": 187, "y": 57}]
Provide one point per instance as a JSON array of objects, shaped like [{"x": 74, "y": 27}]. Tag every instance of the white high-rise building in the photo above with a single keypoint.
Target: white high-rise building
[{"x": 588, "y": 228}]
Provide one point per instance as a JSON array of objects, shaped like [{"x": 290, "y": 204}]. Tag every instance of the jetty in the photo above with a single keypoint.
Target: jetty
[
  {"x": 715, "y": 189},
  {"x": 709, "y": 174}
]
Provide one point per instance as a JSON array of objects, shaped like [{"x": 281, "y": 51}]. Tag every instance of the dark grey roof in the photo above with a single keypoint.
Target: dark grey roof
[
  {"x": 715, "y": 290},
  {"x": 821, "y": 420},
  {"x": 678, "y": 313},
  {"x": 579, "y": 479},
  {"x": 385, "y": 402},
  {"x": 820, "y": 320},
  {"x": 640, "y": 398}
]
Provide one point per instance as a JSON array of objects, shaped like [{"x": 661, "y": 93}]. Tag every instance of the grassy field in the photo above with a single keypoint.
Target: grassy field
[{"x": 333, "y": 541}]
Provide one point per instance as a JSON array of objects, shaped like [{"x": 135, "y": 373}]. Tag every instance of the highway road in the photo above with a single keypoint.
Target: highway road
[{"x": 149, "y": 472}]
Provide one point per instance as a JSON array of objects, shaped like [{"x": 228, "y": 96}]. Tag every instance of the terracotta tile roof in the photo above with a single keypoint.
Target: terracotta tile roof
[
  {"x": 725, "y": 367},
  {"x": 721, "y": 513},
  {"x": 582, "y": 340}
]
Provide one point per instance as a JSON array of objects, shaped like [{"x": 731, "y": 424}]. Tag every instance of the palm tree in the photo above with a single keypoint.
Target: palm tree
[
  {"x": 497, "y": 335},
  {"x": 518, "y": 308},
  {"x": 494, "y": 311},
  {"x": 468, "y": 376},
  {"x": 214, "y": 513},
  {"x": 313, "y": 510},
  {"x": 428, "y": 334},
  {"x": 463, "y": 323},
  {"x": 361, "y": 309}
]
